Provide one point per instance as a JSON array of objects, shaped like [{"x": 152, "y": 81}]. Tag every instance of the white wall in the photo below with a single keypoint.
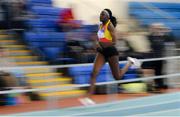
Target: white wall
[{"x": 89, "y": 10}]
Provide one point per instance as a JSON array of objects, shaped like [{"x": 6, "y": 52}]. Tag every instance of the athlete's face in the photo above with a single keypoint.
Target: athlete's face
[{"x": 103, "y": 16}]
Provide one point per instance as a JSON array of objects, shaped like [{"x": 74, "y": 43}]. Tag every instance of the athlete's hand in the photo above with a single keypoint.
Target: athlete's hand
[{"x": 98, "y": 46}]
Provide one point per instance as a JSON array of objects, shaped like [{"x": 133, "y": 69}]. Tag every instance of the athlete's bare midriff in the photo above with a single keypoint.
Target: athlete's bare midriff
[{"x": 106, "y": 44}]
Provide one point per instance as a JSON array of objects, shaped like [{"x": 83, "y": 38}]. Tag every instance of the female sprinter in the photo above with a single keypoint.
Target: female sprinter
[{"x": 106, "y": 51}]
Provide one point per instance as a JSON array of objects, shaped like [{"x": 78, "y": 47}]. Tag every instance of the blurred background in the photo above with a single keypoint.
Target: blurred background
[{"x": 63, "y": 32}]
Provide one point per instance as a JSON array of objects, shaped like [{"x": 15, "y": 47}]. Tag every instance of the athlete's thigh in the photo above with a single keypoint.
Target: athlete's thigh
[
  {"x": 99, "y": 62},
  {"x": 114, "y": 65}
]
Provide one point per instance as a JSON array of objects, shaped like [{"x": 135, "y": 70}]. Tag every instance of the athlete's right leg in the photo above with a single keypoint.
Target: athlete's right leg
[{"x": 98, "y": 63}]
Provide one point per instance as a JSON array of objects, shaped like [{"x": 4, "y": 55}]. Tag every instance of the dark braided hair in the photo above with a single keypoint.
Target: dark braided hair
[{"x": 112, "y": 18}]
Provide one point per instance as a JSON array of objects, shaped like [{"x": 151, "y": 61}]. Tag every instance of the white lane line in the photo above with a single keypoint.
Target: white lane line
[{"x": 121, "y": 109}]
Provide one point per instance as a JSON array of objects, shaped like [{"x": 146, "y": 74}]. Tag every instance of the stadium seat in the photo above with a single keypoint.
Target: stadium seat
[
  {"x": 169, "y": 17},
  {"x": 40, "y": 1},
  {"x": 44, "y": 37},
  {"x": 130, "y": 76},
  {"x": 82, "y": 75},
  {"x": 31, "y": 3},
  {"x": 45, "y": 10},
  {"x": 42, "y": 23}
]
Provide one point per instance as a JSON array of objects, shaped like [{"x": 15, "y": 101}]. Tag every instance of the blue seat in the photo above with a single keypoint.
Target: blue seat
[
  {"x": 175, "y": 14},
  {"x": 44, "y": 37},
  {"x": 147, "y": 17},
  {"x": 28, "y": 36},
  {"x": 153, "y": 15},
  {"x": 141, "y": 5},
  {"x": 48, "y": 16},
  {"x": 166, "y": 5},
  {"x": 45, "y": 44},
  {"x": 148, "y": 14},
  {"x": 87, "y": 69},
  {"x": 39, "y": 1},
  {"x": 90, "y": 28},
  {"x": 105, "y": 77},
  {"x": 52, "y": 52},
  {"x": 130, "y": 76},
  {"x": 80, "y": 70},
  {"x": 31, "y": 3},
  {"x": 37, "y": 29},
  {"x": 42, "y": 23},
  {"x": 82, "y": 79},
  {"x": 45, "y": 10},
  {"x": 58, "y": 36},
  {"x": 176, "y": 34},
  {"x": 82, "y": 74},
  {"x": 135, "y": 5},
  {"x": 173, "y": 25}
]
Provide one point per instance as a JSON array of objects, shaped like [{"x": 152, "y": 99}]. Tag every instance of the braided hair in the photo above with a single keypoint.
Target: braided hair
[{"x": 111, "y": 17}]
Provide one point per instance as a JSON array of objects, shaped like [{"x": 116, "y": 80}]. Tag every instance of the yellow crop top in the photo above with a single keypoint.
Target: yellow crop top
[{"x": 104, "y": 34}]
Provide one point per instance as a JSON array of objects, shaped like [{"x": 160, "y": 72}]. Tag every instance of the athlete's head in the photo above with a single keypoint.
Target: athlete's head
[{"x": 105, "y": 15}]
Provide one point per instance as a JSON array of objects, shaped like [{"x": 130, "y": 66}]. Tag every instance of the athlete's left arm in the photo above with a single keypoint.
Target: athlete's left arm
[{"x": 113, "y": 33}]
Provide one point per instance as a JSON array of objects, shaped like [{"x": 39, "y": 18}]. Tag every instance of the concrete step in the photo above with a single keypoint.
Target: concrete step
[
  {"x": 31, "y": 63},
  {"x": 56, "y": 86},
  {"x": 38, "y": 70},
  {"x": 48, "y": 82},
  {"x": 63, "y": 94},
  {"x": 19, "y": 52},
  {"x": 24, "y": 58},
  {"x": 5, "y": 36},
  {"x": 8, "y": 42},
  {"x": 44, "y": 75},
  {"x": 14, "y": 47}
]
